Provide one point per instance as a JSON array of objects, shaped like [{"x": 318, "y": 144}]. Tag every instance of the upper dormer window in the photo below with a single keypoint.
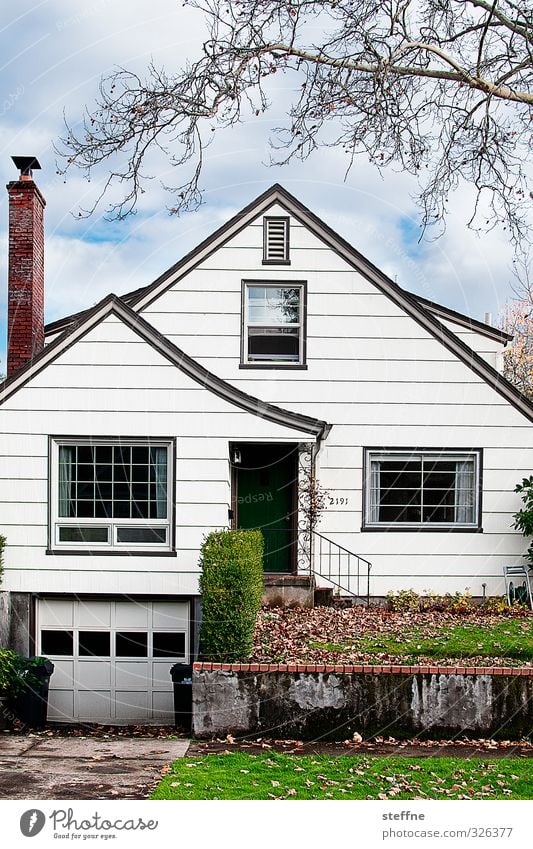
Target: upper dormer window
[{"x": 276, "y": 241}]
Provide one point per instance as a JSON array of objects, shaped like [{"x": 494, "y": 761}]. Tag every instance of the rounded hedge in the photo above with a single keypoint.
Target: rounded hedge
[{"x": 231, "y": 585}]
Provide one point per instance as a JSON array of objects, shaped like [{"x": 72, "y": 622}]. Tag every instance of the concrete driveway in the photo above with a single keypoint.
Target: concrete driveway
[{"x": 84, "y": 768}]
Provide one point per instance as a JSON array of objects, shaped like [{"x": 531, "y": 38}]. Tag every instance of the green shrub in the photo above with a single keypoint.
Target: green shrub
[
  {"x": 524, "y": 518},
  {"x": 231, "y": 585},
  {"x": 409, "y": 601},
  {"x": 15, "y": 672}
]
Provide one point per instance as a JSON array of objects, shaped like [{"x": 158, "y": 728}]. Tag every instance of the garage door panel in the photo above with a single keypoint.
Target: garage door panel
[
  {"x": 132, "y": 614},
  {"x": 63, "y": 675},
  {"x": 60, "y": 705},
  {"x": 55, "y": 613},
  {"x": 94, "y": 675},
  {"x": 170, "y": 615},
  {"x": 163, "y": 705},
  {"x": 94, "y": 614},
  {"x": 132, "y": 707},
  {"x": 112, "y": 658},
  {"x": 93, "y": 704},
  {"x": 131, "y": 675},
  {"x": 161, "y": 674}
]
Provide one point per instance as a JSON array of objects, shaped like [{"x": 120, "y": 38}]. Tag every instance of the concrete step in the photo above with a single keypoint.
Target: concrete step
[{"x": 288, "y": 590}]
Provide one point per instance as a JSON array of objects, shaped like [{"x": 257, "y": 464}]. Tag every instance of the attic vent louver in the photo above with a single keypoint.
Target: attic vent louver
[{"x": 276, "y": 241}]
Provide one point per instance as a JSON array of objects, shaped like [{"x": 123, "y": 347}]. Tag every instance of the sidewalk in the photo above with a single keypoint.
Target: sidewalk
[{"x": 84, "y": 768}]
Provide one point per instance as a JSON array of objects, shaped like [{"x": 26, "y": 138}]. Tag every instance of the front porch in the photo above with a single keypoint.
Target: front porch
[{"x": 275, "y": 490}]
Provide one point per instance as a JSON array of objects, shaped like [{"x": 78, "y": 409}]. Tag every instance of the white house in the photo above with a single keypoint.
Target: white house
[{"x": 271, "y": 354}]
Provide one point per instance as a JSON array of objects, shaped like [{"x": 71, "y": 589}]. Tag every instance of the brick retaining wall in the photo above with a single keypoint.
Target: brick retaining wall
[{"x": 309, "y": 701}]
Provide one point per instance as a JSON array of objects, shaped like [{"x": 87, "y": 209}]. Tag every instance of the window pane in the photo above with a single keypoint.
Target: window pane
[
  {"x": 85, "y": 490},
  {"x": 169, "y": 644},
  {"x": 132, "y": 644},
  {"x": 85, "y": 454},
  {"x": 427, "y": 489},
  {"x": 123, "y": 509},
  {"x": 121, "y": 492},
  {"x": 103, "y": 454},
  {"x": 94, "y": 643},
  {"x": 122, "y": 455},
  {"x": 279, "y": 344},
  {"x": 269, "y": 305},
  {"x": 399, "y": 513},
  {"x": 107, "y": 485},
  {"x": 57, "y": 643},
  {"x": 103, "y": 490},
  {"x": 139, "y": 492},
  {"x": 141, "y": 510},
  {"x": 139, "y": 454},
  {"x": 71, "y": 533},
  {"x": 103, "y": 510},
  {"x": 142, "y": 535},
  {"x": 85, "y": 510},
  {"x": 142, "y": 473}
]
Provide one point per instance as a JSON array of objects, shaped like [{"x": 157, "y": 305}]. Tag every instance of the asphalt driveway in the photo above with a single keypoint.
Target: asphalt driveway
[{"x": 84, "y": 768}]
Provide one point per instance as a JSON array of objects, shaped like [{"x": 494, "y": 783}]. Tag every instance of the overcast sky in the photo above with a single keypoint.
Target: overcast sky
[{"x": 53, "y": 53}]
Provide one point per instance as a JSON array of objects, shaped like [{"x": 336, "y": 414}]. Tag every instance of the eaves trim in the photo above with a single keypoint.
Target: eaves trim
[{"x": 114, "y": 305}]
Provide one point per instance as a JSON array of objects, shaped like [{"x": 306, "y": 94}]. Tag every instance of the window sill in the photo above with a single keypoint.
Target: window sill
[
  {"x": 275, "y": 262},
  {"x": 284, "y": 366},
  {"x": 417, "y": 529},
  {"x": 111, "y": 552}
]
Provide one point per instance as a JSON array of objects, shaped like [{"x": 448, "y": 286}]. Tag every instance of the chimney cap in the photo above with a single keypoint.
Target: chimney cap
[{"x": 26, "y": 164}]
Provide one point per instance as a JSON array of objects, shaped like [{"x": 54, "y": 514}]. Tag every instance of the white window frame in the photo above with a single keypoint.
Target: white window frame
[
  {"x": 300, "y": 326},
  {"x": 407, "y": 454},
  {"x": 111, "y": 524}
]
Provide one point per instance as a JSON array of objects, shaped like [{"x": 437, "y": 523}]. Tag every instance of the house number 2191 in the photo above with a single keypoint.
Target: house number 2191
[{"x": 338, "y": 501}]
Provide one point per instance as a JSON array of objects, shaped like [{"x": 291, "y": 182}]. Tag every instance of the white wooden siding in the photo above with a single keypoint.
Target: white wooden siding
[
  {"x": 373, "y": 372},
  {"x": 381, "y": 380},
  {"x": 70, "y": 398}
]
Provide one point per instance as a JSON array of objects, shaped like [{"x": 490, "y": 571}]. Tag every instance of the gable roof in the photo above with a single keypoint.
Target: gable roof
[
  {"x": 140, "y": 298},
  {"x": 421, "y": 310},
  {"x": 472, "y": 324},
  {"x": 113, "y": 305}
]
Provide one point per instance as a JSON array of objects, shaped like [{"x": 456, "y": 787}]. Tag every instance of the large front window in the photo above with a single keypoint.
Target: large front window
[
  {"x": 273, "y": 324},
  {"x": 422, "y": 489},
  {"x": 111, "y": 493}
]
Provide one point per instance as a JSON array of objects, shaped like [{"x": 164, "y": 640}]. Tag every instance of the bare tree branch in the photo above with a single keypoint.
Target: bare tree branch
[{"x": 440, "y": 89}]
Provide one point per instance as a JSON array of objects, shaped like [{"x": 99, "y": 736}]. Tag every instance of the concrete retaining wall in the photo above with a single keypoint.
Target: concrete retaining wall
[{"x": 330, "y": 702}]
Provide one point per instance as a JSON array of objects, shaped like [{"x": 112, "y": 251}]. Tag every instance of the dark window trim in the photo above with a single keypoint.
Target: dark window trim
[
  {"x": 286, "y": 260},
  {"x": 476, "y": 528},
  {"x": 303, "y": 323},
  {"x": 110, "y": 552}
]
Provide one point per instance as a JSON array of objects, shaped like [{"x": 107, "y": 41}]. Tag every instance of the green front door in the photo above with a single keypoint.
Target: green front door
[{"x": 265, "y": 498}]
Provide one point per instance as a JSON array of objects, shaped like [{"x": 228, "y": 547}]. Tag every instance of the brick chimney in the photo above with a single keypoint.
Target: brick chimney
[{"x": 25, "y": 300}]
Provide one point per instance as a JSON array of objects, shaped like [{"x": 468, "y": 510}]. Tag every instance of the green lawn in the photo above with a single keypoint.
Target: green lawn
[
  {"x": 282, "y": 776},
  {"x": 510, "y": 638}
]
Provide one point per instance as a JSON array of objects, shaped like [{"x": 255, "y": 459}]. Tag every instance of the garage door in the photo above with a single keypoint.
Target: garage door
[{"x": 112, "y": 658}]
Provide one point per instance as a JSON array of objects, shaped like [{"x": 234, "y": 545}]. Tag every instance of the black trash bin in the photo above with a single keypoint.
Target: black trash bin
[
  {"x": 31, "y": 704},
  {"x": 181, "y": 674}
]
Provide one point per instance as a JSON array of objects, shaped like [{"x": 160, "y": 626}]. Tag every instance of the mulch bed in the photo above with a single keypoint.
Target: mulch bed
[{"x": 463, "y": 748}]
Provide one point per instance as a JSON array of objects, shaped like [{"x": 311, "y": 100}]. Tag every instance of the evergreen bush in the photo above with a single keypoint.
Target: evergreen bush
[{"x": 231, "y": 585}]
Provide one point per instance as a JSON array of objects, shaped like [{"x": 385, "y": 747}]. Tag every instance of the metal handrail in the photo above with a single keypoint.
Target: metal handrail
[{"x": 343, "y": 579}]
